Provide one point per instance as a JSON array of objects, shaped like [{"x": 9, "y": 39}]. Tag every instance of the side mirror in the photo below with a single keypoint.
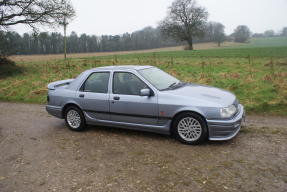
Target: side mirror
[{"x": 145, "y": 92}]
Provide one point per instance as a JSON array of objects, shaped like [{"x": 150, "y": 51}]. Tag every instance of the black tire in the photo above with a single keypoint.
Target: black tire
[
  {"x": 201, "y": 137},
  {"x": 82, "y": 124}
]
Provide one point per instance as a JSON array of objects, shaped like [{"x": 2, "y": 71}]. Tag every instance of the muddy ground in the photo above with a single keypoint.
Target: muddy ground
[{"x": 39, "y": 153}]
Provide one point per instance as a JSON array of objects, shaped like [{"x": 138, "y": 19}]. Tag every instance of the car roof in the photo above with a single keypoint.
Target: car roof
[{"x": 123, "y": 67}]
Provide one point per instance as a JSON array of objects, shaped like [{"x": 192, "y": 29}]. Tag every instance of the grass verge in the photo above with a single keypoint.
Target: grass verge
[{"x": 258, "y": 76}]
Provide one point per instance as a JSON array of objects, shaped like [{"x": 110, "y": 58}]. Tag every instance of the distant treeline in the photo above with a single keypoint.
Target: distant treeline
[{"x": 52, "y": 43}]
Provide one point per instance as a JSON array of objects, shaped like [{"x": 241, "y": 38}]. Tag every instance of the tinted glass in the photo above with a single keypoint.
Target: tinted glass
[
  {"x": 97, "y": 83},
  {"x": 127, "y": 84}
]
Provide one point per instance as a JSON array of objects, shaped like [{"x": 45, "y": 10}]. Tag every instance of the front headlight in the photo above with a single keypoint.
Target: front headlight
[{"x": 228, "y": 112}]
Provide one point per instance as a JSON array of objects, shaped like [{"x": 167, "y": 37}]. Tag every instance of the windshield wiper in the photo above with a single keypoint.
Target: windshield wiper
[{"x": 173, "y": 85}]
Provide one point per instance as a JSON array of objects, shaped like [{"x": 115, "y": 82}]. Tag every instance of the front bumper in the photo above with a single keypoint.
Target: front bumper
[
  {"x": 55, "y": 111},
  {"x": 220, "y": 130}
]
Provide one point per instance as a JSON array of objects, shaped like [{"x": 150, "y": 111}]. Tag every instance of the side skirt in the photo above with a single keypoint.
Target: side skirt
[{"x": 164, "y": 129}]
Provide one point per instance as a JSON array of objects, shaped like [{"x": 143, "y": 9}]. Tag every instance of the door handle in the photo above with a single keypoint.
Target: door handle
[
  {"x": 81, "y": 95},
  {"x": 117, "y": 98}
]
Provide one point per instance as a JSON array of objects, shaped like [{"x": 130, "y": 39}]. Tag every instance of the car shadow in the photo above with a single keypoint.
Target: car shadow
[
  {"x": 106, "y": 130},
  {"x": 126, "y": 132},
  {"x": 150, "y": 135}
]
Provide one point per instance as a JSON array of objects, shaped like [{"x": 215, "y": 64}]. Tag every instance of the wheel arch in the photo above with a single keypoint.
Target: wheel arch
[
  {"x": 187, "y": 111},
  {"x": 69, "y": 105}
]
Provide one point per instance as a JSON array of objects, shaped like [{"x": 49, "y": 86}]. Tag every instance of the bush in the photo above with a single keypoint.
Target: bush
[
  {"x": 8, "y": 67},
  {"x": 6, "y": 61}
]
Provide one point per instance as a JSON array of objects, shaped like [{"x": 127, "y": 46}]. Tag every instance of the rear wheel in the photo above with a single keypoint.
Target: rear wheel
[
  {"x": 75, "y": 119},
  {"x": 189, "y": 128}
]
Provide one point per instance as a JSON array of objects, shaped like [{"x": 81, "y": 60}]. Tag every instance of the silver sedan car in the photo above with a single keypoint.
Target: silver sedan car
[{"x": 148, "y": 99}]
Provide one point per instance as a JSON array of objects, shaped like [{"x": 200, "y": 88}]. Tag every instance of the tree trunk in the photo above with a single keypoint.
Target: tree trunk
[
  {"x": 218, "y": 44},
  {"x": 190, "y": 44},
  {"x": 65, "y": 38}
]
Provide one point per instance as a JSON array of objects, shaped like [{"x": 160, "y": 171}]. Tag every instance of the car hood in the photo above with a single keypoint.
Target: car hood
[{"x": 205, "y": 94}]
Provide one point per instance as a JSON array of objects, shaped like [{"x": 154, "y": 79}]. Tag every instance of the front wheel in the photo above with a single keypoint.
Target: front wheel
[
  {"x": 189, "y": 128},
  {"x": 75, "y": 119}
]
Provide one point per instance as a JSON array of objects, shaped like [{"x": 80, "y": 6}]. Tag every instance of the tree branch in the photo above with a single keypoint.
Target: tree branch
[{"x": 32, "y": 12}]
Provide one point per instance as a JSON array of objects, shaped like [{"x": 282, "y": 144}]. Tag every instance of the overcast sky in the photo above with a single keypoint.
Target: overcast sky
[{"x": 119, "y": 16}]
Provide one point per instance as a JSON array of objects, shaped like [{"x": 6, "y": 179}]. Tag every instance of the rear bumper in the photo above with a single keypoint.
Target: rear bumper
[
  {"x": 55, "y": 111},
  {"x": 220, "y": 130}
]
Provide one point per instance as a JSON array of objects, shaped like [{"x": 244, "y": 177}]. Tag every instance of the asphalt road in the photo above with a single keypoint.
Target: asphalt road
[{"x": 39, "y": 153}]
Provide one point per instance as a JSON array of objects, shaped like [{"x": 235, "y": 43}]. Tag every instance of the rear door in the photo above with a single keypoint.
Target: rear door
[
  {"x": 94, "y": 97},
  {"x": 126, "y": 104}
]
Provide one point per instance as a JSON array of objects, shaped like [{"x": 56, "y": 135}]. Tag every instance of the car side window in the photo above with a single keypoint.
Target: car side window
[
  {"x": 97, "y": 83},
  {"x": 125, "y": 83}
]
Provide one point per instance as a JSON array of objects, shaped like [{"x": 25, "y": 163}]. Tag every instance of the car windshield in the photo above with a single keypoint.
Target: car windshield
[{"x": 158, "y": 78}]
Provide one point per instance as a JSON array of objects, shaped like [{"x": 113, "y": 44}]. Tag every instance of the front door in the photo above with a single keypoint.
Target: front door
[
  {"x": 126, "y": 104},
  {"x": 94, "y": 97}
]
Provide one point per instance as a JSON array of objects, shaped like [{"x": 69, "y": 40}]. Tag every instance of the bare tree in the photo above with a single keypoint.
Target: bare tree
[
  {"x": 65, "y": 23},
  {"x": 218, "y": 33},
  {"x": 185, "y": 20},
  {"x": 241, "y": 33},
  {"x": 284, "y": 31},
  {"x": 34, "y": 12},
  {"x": 269, "y": 33}
]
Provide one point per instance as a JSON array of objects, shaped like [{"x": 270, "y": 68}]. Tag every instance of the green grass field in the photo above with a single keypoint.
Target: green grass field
[
  {"x": 257, "y": 75},
  {"x": 266, "y": 42}
]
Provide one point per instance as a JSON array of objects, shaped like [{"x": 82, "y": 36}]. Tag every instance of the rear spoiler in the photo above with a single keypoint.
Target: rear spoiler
[{"x": 54, "y": 85}]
